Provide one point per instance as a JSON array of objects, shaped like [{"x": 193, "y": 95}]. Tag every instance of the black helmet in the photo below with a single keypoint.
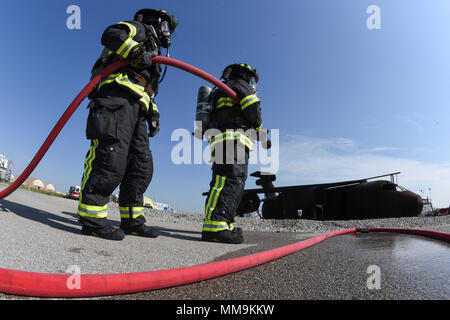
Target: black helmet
[
  {"x": 155, "y": 17},
  {"x": 160, "y": 21},
  {"x": 240, "y": 70}
]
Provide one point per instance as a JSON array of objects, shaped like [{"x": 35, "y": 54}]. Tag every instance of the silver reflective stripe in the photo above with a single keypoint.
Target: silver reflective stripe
[
  {"x": 132, "y": 28},
  {"x": 126, "y": 49},
  {"x": 249, "y": 100},
  {"x": 215, "y": 226},
  {"x": 92, "y": 212}
]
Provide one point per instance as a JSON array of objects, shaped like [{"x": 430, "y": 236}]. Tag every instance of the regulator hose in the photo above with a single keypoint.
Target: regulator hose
[
  {"x": 91, "y": 285},
  {"x": 86, "y": 91}
]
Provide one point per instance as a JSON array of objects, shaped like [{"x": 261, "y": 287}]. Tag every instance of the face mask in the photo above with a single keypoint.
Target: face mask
[
  {"x": 165, "y": 29},
  {"x": 165, "y": 33}
]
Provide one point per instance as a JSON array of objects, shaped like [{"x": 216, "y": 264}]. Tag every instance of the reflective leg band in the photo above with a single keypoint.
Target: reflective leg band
[
  {"x": 97, "y": 212},
  {"x": 214, "y": 195},
  {"x": 215, "y": 226},
  {"x": 126, "y": 213}
]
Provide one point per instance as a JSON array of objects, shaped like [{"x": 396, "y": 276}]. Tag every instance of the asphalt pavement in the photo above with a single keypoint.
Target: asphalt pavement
[{"x": 40, "y": 233}]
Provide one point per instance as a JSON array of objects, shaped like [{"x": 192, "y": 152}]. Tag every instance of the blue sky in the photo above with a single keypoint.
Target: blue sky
[{"x": 349, "y": 102}]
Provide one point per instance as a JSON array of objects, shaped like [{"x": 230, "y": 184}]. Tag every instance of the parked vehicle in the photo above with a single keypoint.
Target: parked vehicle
[
  {"x": 5, "y": 171},
  {"x": 74, "y": 192},
  {"x": 148, "y": 203}
]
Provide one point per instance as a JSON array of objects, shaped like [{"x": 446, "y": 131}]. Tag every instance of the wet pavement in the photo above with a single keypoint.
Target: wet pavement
[{"x": 343, "y": 268}]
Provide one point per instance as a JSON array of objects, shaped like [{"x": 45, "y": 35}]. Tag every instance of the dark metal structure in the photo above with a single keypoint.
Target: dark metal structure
[{"x": 356, "y": 199}]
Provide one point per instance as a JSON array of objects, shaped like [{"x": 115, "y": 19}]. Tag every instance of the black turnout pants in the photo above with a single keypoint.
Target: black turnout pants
[
  {"x": 119, "y": 155},
  {"x": 226, "y": 190}
]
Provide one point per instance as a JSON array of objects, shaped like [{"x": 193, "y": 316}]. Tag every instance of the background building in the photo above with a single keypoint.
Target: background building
[
  {"x": 49, "y": 187},
  {"x": 34, "y": 183}
]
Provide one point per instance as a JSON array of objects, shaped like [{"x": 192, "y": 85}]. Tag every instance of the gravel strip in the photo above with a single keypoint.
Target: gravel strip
[{"x": 301, "y": 225}]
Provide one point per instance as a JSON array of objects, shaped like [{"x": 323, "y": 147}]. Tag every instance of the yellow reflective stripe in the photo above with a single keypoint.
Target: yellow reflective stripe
[
  {"x": 145, "y": 98},
  {"x": 243, "y": 141},
  {"x": 214, "y": 226},
  {"x": 258, "y": 128},
  {"x": 132, "y": 28},
  {"x": 133, "y": 216},
  {"x": 92, "y": 215},
  {"x": 135, "y": 212},
  {"x": 211, "y": 196},
  {"x": 225, "y": 102},
  {"x": 92, "y": 211},
  {"x": 93, "y": 208},
  {"x": 222, "y": 184},
  {"x": 214, "y": 195},
  {"x": 88, "y": 163},
  {"x": 249, "y": 100},
  {"x": 123, "y": 80},
  {"x": 128, "y": 44},
  {"x": 126, "y": 47},
  {"x": 134, "y": 209},
  {"x": 109, "y": 79},
  {"x": 246, "y": 66},
  {"x": 231, "y": 136},
  {"x": 154, "y": 106}
]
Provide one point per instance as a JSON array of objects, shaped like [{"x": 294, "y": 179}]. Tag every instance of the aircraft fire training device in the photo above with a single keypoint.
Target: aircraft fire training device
[{"x": 346, "y": 200}]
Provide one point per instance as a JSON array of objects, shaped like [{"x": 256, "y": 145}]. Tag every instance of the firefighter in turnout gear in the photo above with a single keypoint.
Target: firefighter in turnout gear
[
  {"x": 122, "y": 117},
  {"x": 237, "y": 125}
]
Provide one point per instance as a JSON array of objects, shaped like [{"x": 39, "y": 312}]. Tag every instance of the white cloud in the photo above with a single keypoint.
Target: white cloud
[{"x": 305, "y": 160}]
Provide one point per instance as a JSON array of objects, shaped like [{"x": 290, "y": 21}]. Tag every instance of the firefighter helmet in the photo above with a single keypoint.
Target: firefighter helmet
[
  {"x": 155, "y": 17},
  {"x": 240, "y": 70}
]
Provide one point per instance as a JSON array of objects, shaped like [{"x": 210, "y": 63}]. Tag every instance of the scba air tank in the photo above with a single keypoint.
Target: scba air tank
[{"x": 202, "y": 115}]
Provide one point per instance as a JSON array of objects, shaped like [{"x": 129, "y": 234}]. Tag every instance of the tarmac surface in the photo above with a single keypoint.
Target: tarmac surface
[{"x": 40, "y": 233}]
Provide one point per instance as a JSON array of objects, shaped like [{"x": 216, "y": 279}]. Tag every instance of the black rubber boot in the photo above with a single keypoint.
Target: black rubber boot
[
  {"x": 224, "y": 236},
  {"x": 237, "y": 230},
  {"x": 141, "y": 230},
  {"x": 107, "y": 232}
]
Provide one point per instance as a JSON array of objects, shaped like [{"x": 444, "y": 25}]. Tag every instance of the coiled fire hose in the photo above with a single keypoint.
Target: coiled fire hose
[{"x": 56, "y": 285}]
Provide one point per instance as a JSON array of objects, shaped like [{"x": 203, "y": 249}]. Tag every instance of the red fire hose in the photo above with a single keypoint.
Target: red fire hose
[
  {"x": 85, "y": 92},
  {"x": 56, "y": 285}
]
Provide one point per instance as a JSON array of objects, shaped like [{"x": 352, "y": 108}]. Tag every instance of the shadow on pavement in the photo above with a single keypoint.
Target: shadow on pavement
[
  {"x": 173, "y": 233},
  {"x": 44, "y": 217},
  {"x": 60, "y": 222}
]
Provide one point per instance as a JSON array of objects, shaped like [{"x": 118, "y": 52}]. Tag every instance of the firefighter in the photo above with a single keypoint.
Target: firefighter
[
  {"x": 239, "y": 124},
  {"x": 122, "y": 116}
]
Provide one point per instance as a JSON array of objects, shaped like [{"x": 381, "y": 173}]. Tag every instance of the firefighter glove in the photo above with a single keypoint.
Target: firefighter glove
[
  {"x": 266, "y": 144},
  {"x": 140, "y": 58},
  {"x": 153, "y": 124}
]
